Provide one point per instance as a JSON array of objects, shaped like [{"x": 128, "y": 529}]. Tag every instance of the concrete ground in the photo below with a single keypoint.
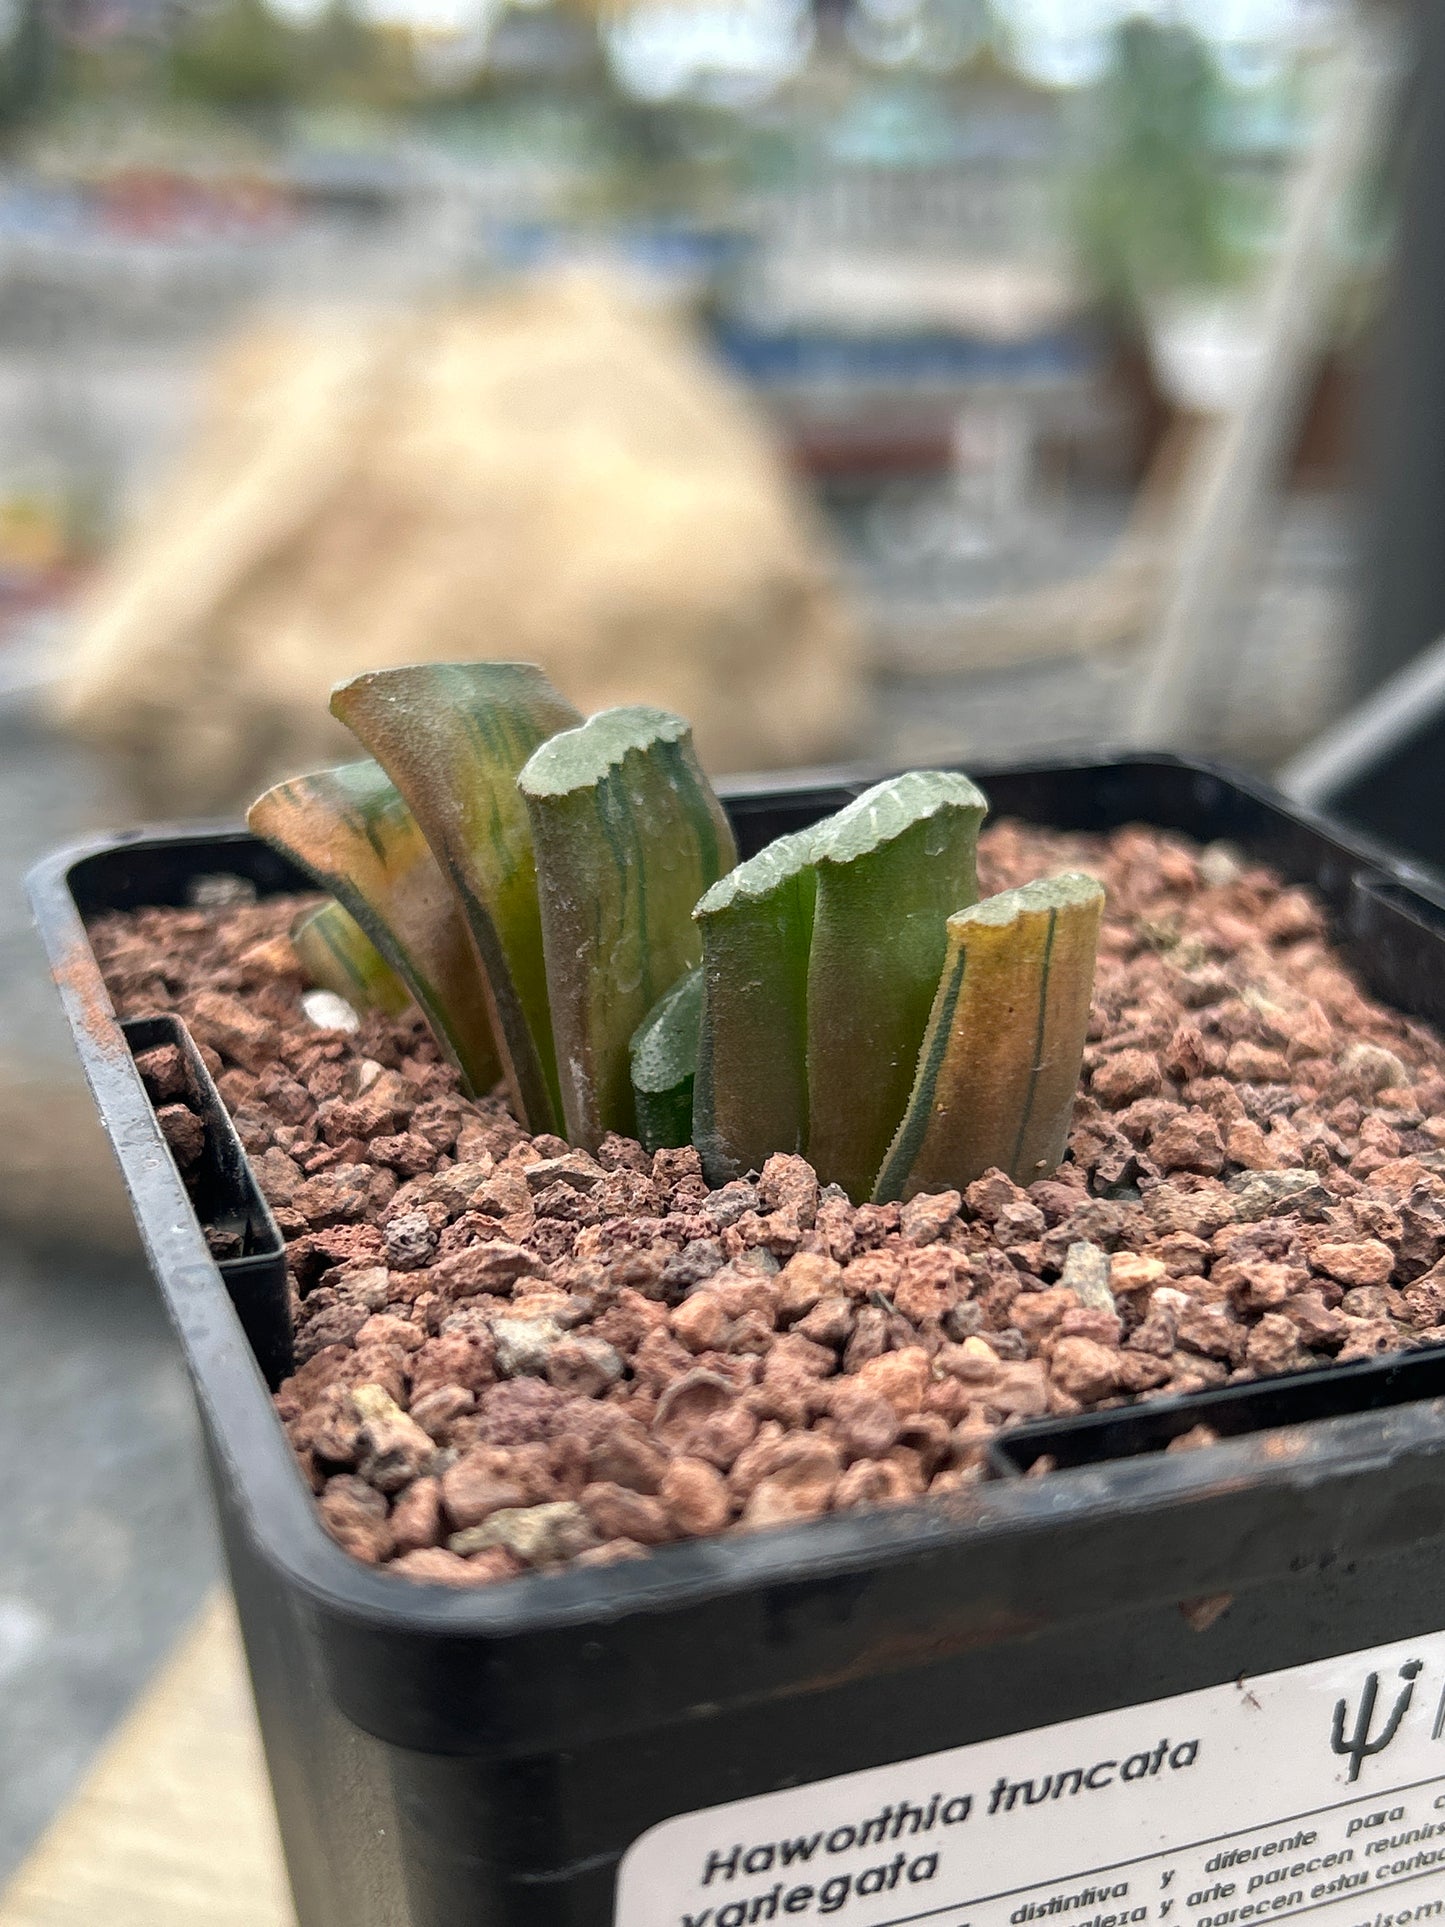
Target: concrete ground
[{"x": 108, "y": 1544}]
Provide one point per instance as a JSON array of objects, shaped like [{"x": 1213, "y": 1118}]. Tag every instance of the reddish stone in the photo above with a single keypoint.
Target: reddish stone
[
  {"x": 1125, "y": 1077},
  {"x": 695, "y": 1496}
]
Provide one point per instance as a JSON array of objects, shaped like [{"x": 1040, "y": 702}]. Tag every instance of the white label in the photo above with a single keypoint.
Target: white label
[{"x": 1319, "y": 1790}]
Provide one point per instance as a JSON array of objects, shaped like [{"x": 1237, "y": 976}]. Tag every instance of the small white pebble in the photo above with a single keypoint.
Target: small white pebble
[
  {"x": 1170, "y": 1298},
  {"x": 328, "y": 1011},
  {"x": 219, "y": 890},
  {"x": 523, "y": 1344},
  {"x": 1220, "y": 864}
]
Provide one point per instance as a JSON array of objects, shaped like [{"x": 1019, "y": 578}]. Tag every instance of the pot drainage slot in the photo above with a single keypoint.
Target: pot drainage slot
[
  {"x": 1264, "y": 1405},
  {"x": 240, "y": 1232}
]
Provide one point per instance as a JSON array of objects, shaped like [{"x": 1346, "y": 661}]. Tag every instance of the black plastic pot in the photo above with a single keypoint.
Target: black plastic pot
[{"x": 447, "y": 1759}]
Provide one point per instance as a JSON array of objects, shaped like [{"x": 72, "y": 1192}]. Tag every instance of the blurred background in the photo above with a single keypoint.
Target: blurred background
[{"x": 879, "y": 379}]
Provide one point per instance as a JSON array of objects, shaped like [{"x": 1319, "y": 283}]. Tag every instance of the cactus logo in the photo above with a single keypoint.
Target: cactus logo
[{"x": 1360, "y": 1745}]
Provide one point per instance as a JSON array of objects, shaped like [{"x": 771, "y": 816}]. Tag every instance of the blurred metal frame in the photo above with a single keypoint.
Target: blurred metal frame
[
  {"x": 1229, "y": 484},
  {"x": 1403, "y": 586}
]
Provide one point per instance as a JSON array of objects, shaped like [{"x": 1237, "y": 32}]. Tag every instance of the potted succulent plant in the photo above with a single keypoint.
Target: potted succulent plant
[{"x": 673, "y": 1277}]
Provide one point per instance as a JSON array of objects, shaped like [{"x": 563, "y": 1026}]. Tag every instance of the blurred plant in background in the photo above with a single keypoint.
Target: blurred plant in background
[
  {"x": 1156, "y": 71},
  {"x": 1153, "y": 205}
]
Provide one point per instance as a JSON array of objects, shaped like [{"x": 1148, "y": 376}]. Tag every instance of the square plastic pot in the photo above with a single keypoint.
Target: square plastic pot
[{"x": 455, "y": 1759}]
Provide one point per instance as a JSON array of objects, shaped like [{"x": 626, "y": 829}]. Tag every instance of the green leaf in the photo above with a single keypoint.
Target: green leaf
[
  {"x": 752, "y": 1075},
  {"x": 628, "y": 835},
  {"x": 453, "y": 737},
  {"x": 349, "y": 829},
  {"x": 892, "y": 868},
  {"x": 1001, "y": 1058},
  {"x": 664, "y": 1064},
  {"x": 337, "y": 954}
]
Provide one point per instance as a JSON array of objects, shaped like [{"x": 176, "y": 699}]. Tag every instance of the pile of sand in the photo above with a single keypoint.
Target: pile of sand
[{"x": 550, "y": 474}]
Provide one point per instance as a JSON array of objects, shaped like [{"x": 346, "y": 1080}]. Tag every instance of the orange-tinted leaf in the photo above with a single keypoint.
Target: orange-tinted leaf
[
  {"x": 350, "y": 830},
  {"x": 452, "y": 737}
]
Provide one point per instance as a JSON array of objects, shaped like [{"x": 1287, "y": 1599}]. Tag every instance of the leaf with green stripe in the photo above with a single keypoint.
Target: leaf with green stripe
[
  {"x": 452, "y": 737},
  {"x": 1000, "y": 1062},
  {"x": 628, "y": 835},
  {"x": 337, "y": 955},
  {"x": 664, "y": 1064},
  {"x": 892, "y": 868},
  {"x": 751, "y": 1097},
  {"x": 350, "y": 830}
]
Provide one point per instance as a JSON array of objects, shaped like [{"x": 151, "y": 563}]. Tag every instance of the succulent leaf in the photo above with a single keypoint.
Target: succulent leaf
[
  {"x": 664, "y": 1064},
  {"x": 628, "y": 835},
  {"x": 891, "y": 868},
  {"x": 337, "y": 954},
  {"x": 452, "y": 737},
  {"x": 350, "y": 830},
  {"x": 751, "y": 1096},
  {"x": 1001, "y": 1058}
]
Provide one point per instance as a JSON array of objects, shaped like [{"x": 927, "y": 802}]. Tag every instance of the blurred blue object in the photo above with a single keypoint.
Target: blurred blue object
[{"x": 785, "y": 356}]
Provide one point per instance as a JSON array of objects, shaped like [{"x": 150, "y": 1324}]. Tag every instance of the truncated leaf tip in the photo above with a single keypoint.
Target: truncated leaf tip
[
  {"x": 1000, "y": 1060},
  {"x": 453, "y": 737},
  {"x": 891, "y": 868},
  {"x": 751, "y": 1096},
  {"x": 628, "y": 836},
  {"x": 664, "y": 1064}
]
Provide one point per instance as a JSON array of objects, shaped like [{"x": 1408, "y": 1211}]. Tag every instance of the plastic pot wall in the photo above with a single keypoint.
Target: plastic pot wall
[{"x": 445, "y": 1759}]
